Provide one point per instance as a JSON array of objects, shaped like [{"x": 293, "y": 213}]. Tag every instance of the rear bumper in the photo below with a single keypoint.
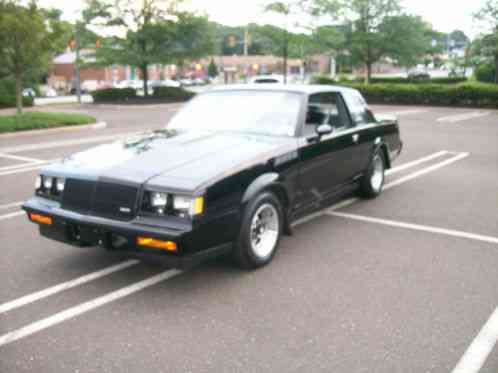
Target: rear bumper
[{"x": 84, "y": 230}]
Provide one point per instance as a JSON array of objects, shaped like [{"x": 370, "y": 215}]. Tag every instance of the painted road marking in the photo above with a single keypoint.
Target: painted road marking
[
  {"x": 11, "y": 215},
  {"x": 416, "y": 162},
  {"x": 477, "y": 353},
  {"x": 427, "y": 170},
  {"x": 417, "y": 227},
  {"x": 33, "y": 297},
  {"x": 463, "y": 117},
  {"x": 63, "y": 143},
  {"x": 19, "y": 158},
  {"x": 10, "y": 205},
  {"x": 82, "y": 308},
  {"x": 405, "y": 112},
  {"x": 25, "y": 168}
]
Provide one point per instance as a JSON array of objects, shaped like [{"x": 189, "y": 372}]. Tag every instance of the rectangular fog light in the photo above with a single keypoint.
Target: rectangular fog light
[
  {"x": 156, "y": 244},
  {"x": 42, "y": 219}
]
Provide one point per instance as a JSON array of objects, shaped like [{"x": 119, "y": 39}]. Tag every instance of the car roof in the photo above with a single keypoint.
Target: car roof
[{"x": 295, "y": 88}]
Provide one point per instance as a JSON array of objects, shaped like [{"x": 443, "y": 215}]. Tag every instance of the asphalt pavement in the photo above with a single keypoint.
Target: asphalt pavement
[{"x": 407, "y": 282}]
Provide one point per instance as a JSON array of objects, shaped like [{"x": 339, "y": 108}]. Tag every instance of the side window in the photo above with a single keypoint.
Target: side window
[
  {"x": 358, "y": 108},
  {"x": 326, "y": 108}
]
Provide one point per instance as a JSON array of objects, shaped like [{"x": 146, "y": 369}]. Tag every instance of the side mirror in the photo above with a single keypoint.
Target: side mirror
[{"x": 324, "y": 129}]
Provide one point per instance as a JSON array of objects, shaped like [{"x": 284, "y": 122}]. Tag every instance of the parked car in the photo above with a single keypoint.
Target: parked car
[
  {"x": 229, "y": 174},
  {"x": 164, "y": 83},
  {"x": 47, "y": 91},
  {"x": 266, "y": 79},
  {"x": 418, "y": 75},
  {"x": 29, "y": 92}
]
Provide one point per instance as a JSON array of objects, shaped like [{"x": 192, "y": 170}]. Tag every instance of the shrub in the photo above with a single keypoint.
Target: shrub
[
  {"x": 39, "y": 120},
  {"x": 323, "y": 79},
  {"x": 172, "y": 94},
  {"x": 9, "y": 101},
  {"x": 486, "y": 73},
  {"x": 114, "y": 94},
  {"x": 466, "y": 94},
  {"x": 394, "y": 80}
]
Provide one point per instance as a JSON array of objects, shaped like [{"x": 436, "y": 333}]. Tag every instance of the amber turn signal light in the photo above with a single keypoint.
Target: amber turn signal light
[
  {"x": 156, "y": 244},
  {"x": 42, "y": 219}
]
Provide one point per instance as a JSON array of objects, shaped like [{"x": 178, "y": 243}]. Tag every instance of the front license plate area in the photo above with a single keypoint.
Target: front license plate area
[{"x": 89, "y": 236}]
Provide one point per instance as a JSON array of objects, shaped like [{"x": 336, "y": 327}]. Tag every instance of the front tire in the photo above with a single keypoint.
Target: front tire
[
  {"x": 260, "y": 233},
  {"x": 372, "y": 182}
]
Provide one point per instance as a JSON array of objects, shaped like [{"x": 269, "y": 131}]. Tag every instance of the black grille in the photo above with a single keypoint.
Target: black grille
[
  {"x": 78, "y": 195},
  {"x": 115, "y": 201}
]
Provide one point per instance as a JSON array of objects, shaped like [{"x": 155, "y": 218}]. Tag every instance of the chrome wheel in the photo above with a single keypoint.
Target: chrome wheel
[
  {"x": 265, "y": 227},
  {"x": 377, "y": 178}
]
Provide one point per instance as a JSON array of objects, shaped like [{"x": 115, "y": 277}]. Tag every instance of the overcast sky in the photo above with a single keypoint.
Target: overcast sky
[{"x": 445, "y": 15}]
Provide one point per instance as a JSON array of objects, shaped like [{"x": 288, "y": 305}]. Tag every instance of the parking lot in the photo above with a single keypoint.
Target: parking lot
[{"x": 404, "y": 283}]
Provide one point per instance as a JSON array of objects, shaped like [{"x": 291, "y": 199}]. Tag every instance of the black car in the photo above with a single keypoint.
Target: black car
[{"x": 230, "y": 173}]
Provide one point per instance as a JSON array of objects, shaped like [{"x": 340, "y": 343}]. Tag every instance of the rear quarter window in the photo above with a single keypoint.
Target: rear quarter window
[{"x": 358, "y": 108}]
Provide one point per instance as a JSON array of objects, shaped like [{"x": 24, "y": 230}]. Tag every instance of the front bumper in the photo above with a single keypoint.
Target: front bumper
[{"x": 84, "y": 230}]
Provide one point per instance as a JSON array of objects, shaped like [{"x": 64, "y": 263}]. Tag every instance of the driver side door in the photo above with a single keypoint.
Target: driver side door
[{"x": 325, "y": 161}]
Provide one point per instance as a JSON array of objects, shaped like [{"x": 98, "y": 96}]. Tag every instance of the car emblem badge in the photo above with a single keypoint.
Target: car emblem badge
[{"x": 125, "y": 210}]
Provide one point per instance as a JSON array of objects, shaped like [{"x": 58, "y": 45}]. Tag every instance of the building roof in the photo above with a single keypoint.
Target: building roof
[
  {"x": 298, "y": 88},
  {"x": 70, "y": 57}
]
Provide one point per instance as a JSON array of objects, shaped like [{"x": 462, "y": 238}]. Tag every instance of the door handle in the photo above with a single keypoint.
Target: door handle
[{"x": 356, "y": 137}]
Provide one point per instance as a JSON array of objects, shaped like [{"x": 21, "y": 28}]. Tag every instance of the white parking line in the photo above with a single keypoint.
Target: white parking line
[
  {"x": 417, "y": 227},
  {"x": 477, "y": 353},
  {"x": 427, "y": 170},
  {"x": 10, "y": 205},
  {"x": 11, "y": 215},
  {"x": 33, "y": 297},
  {"x": 19, "y": 158},
  {"x": 404, "y": 112},
  {"x": 85, "y": 307},
  {"x": 11, "y": 170},
  {"x": 463, "y": 117},
  {"x": 416, "y": 162},
  {"x": 63, "y": 143}
]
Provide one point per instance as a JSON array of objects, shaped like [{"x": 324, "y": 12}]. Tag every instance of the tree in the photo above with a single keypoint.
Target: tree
[
  {"x": 29, "y": 36},
  {"x": 149, "y": 32},
  {"x": 406, "y": 39},
  {"x": 212, "y": 69},
  {"x": 488, "y": 16},
  {"x": 284, "y": 9}
]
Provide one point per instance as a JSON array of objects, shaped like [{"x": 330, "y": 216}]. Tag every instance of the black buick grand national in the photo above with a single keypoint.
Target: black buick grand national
[{"x": 229, "y": 174}]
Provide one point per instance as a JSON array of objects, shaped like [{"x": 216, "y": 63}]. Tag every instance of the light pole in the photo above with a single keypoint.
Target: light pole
[{"x": 77, "y": 62}]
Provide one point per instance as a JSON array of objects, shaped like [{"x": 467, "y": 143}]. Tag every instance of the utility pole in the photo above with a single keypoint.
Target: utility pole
[
  {"x": 77, "y": 63},
  {"x": 286, "y": 52}
]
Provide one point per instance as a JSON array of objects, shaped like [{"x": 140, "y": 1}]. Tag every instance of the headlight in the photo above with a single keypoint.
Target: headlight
[
  {"x": 38, "y": 182},
  {"x": 158, "y": 199},
  {"x": 60, "y": 184},
  {"x": 47, "y": 183},
  {"x": 190, "y": 205}
]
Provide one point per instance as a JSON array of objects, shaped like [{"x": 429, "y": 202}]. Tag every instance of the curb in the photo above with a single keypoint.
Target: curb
[{"x": 75, "y": 128}]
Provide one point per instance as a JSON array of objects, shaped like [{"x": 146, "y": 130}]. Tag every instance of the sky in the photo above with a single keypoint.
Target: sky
[{"x": 444, "y": 15}]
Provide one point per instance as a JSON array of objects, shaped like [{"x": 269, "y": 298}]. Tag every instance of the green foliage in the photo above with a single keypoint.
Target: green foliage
[
  {"x": 9, "y": 101},
  {"x": 392, "y": 80},
  {"x": 35, "y": 120},
  {"x": 486, "y": 73},
  {"x": 29, "y": 37},
  {"x": 114, "y": 94},
  {"x": 156, "y": 33},
  {"x": 173, "y": 94},
  {"x": 466, "y": 94},
  {"x": 212, "y": 69}
]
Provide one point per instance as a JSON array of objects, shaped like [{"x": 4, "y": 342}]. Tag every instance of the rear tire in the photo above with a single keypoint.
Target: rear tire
[
  {"x": 372, "y": 182},
  {"x": 260, "y": 232}
]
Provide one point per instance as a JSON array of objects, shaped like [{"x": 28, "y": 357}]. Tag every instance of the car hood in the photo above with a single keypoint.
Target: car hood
[{"x": 179, "y": 160}]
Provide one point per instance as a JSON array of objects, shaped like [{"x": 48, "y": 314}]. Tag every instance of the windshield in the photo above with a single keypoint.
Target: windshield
[{"x": 262, "y": 112}]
